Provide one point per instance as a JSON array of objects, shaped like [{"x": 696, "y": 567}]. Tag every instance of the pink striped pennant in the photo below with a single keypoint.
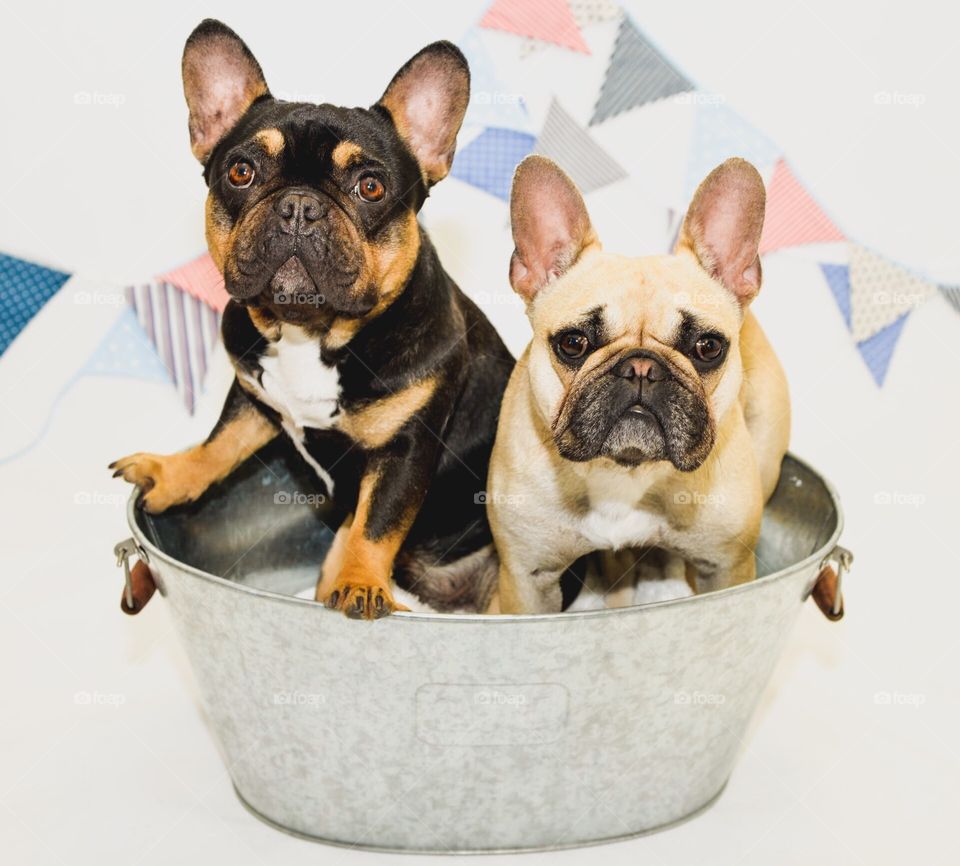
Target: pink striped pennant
[
  {"x": 201, "y": 279},
  {"x": 793, "y": 217},
  {"x": 548, "y": 20}
]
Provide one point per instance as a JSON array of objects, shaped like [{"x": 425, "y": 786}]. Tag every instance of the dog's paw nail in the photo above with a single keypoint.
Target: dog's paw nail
[
  {"x": 333, "y": 599},
  {"x": 379, "y": 602},
  {"x": 116, "y": 474}
]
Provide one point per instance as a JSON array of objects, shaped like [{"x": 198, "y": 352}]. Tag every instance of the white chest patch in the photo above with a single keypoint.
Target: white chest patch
[
  {"x": 297, "y": 384},
  {"x": 613, "y": 521}
]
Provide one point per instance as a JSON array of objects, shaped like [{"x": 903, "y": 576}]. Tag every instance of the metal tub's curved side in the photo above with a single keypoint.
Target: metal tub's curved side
[{"x": 468, "y": 733}]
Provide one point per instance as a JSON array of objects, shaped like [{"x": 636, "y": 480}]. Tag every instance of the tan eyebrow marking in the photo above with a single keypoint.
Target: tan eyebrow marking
[
  {"x": 271, "y": 140},
  {"x": 346, "y": 153}
]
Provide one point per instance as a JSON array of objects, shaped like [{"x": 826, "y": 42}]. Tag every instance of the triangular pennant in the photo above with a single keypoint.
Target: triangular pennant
[
  {"x": 488, "y": 162},
  {"x": 24, "y": 289},
  {"x": 182, "y": 329},
  {"x": 719, "y": 133},
  {"x": 880, "y": 292},
  {"x": 878, "y": 349},
  {"x": 126, "y": 351},
  {"x": 547, "y": 20},
  {"x": 838, "y": 278},
  {"x": 637, "y": 74},
  {"x": 492, "y": 103},
  {"x": 200, "y": 278},
  {"x": 575, "y": 151},
  {"x": 793, "y": 217},
  {"x": 952, "y": 294},
  {"x": 585, "y": 13}
]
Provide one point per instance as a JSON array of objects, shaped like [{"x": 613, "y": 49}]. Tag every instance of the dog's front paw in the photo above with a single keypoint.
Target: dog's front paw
[
  {"x": 164, "y": 480},
  {"x": 360, "y": 600}
]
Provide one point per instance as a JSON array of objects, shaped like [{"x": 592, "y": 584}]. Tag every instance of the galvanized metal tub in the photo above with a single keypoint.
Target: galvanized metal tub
[{"x": 466, "y": 733}]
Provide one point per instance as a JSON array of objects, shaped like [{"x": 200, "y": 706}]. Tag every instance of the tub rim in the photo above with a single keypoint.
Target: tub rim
[{"x": 817, "y": 557}]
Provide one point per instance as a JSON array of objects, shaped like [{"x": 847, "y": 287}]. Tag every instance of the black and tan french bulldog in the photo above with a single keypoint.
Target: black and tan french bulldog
[
  {"x": 649, "y": 410},
  {"x": 346, "y": 334}
]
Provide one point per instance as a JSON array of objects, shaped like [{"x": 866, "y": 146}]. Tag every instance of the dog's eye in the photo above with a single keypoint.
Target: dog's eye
[
  {"x": 240, "y": 174},
  {"x": 708, "y": 348},
  {"x": 370, "y": 188},
  {"x": 573, "y": 344}
]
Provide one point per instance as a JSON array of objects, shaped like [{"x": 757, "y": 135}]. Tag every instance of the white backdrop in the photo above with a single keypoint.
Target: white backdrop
[{"x": 832, "y": 771}]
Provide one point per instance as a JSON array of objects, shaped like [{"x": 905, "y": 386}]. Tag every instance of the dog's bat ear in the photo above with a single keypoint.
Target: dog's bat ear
[
  {"x": 427, "y": 100},
  {"x": 221, "y": 80},
  {"x": 551, "y": 226},
  {"x": 723, "y": 225}
]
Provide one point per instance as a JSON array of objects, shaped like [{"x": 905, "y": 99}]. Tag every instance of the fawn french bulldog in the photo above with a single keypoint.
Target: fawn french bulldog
[
  {"x": 346, "y": 334},
  {"x": 649, "y": 410}
]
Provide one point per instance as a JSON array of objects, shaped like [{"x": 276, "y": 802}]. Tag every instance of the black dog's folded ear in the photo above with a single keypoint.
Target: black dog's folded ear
[
  {"x": 221, "y": 80},
  {"x": 722, "y": 228},
  {"x": 551, "y": 226},
  {"x": 427, "y": 100}
]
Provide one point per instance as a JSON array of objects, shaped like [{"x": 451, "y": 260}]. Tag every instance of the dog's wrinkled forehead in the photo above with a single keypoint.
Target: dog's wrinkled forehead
[
  {"x": 308, "y": 142},
  {"x": 645, "y": 298}
]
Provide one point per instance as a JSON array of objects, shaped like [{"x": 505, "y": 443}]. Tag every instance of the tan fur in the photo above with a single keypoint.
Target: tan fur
[
  {"x": 387, "y": 265},
  {"x": 173, "y": 479},
  {"x": 377, "y": 423},
  {"x": 540, "y": 505},
  {"x": 346, "y": 154},
  {"x": 359, "y": 579},
  {"x": 271, "y": 140}
]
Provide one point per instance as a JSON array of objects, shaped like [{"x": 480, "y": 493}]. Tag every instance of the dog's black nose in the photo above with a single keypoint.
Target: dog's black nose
[
  {"x": 298, "y": 207},
  {"x": 641, "y": 367}
]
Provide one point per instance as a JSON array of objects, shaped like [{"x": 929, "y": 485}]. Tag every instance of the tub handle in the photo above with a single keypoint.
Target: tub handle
[
  {"x": 827, "y": 590},
  {"x": 138, "y": 581}
]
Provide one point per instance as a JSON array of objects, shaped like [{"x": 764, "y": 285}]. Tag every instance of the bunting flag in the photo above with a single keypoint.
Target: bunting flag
[
  {"x": 838, "y": 278},
  {"x": 952, "y": 294},
  {"x": 575, "y": 151},
  {"x": 488, "y": 162},
  {"x": 492, "y": 103},
  {"x": 637, "y": 74},
  {"x": 719, "y": 133},
  {"x": 201, "y": 279},
  {"x": 585, "y": 13},
  {"x": 546, "y": 20},
  {"x": 182, "y": 329},
  {"x": 126, "y": 351},
  {"x": 24, "y": 289},
  {"x": 793, "y": 217},
  {"x": 877, "y": 350},
  {"x": 881, "y": 292}
]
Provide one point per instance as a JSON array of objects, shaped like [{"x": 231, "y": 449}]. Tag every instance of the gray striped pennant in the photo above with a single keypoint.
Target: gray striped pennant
[
  {"x": 574, "y": 150},
  {"x": 637, "y": 74}
]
